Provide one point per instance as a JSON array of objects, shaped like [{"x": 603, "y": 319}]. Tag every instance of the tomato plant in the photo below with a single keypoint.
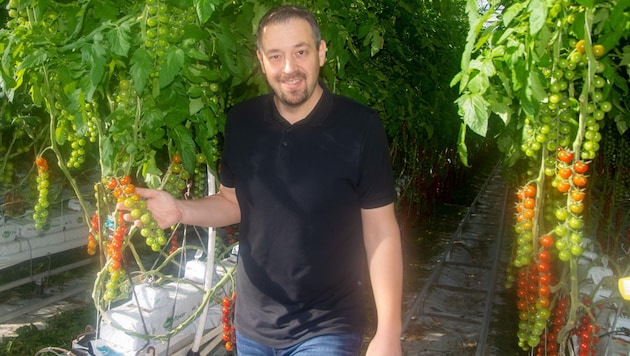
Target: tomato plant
[{"x": 546, "y": 78}]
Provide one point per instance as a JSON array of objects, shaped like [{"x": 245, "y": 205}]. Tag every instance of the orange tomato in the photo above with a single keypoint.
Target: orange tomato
[{"x": 580, "y": 46}]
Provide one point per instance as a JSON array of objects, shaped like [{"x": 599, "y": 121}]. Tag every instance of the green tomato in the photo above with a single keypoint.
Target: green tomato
[
  {"x": 599, "y": 82},
  {"x": 145, "y": 232},
  {"x": 576, "y": 222},
  {"x": 146, "y": 218},
  {"x": 564, "y": 255},
  {"x": 560, "y": 230},
  {"x": 577, "y": 250},
  {"x": 562, "y": 214},
  {"x": 129, "y": 202},
  {"x": 575, "y": 238},
  {"x": 135, "y": 213}
]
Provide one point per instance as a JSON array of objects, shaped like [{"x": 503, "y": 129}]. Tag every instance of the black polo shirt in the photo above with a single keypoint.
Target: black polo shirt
[{"x": 301, "y": 188}]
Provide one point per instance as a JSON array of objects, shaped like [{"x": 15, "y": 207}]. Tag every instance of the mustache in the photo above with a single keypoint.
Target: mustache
[{"x": 296, "y": 75}]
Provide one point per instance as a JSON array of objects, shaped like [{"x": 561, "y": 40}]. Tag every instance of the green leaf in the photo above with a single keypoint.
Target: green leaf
[
  {"x": 485, "y": 66},
  {"x": 622, "y": 123},
  {"x": 185, "y": 146},
  {"x": 152, "y": 118},
  {"x": 476, "y": 25},
  {"x": 141, "y": 64},
  {"x": 105, "y": 10},
  {"x": 586, "y": 3},
  {"x": 473, "y": 108},
  {"x": 535, "y": 89},
  {"x": 150, "y": 171},
  {"x": 173, "y": 65},
  {"x": 502, "y": 106},
  {"x": 377, "y": 42},
  {"x": 94, "y": 58},
  {"x": 106, "y": 156},
  {"x": 205, "y": 9},
  {"x": 119, "y": 39},
  {"x": 34, "y": 59},
  {"x": 195, "y": 105},
  {"x": 511, "y": 12},
  {"x": 478, "y": 83},
  {"x": 155, "y": 138},
  {"x": 538, "y": 16}
]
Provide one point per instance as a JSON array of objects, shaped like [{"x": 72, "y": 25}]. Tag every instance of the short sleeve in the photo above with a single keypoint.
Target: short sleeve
[{"x": 376, "y": 181}]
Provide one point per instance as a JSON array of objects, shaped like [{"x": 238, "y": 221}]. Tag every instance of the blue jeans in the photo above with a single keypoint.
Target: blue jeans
[{"x": 329, "y": 345}]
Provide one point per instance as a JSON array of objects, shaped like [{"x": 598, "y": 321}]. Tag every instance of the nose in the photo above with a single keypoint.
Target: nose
[{"x": 289, "y": 65}]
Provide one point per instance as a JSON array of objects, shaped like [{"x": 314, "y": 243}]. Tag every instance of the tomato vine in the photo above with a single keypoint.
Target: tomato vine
[{"x": 554, "y": 74}]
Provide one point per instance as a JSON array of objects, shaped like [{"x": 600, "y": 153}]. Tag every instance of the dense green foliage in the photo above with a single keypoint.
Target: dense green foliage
[{"x": 106, "y": 88}]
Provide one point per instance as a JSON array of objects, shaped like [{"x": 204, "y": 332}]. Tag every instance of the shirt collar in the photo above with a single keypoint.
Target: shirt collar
[{"x": 316, "y": 117}]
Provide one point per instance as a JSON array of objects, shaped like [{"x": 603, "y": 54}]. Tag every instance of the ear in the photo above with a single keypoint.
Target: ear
[
  {"x": 260, "y": 60},
  {"x": 322, "y": 53}
]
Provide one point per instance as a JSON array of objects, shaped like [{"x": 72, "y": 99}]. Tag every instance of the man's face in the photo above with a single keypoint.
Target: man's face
[{"x": 291, "y": 61}]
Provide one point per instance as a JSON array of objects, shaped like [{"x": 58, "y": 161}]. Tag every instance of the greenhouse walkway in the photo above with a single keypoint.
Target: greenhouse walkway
[{"x": 454, "y": 312}]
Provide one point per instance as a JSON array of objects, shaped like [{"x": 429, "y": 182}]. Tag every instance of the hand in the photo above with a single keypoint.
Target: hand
[
  {"x": 163, "y": 206},
  {"x": 385, "y": 344}
]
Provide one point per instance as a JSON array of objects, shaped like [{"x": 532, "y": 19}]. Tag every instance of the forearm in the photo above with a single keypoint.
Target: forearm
[
  {"x": 210, "y": 211},
  {"x": 384, "y": 253},
  {"x": 385, "y": 267}
]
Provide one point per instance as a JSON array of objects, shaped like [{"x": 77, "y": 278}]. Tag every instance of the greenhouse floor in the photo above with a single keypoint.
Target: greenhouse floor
[{"x": 460, "y": 305}]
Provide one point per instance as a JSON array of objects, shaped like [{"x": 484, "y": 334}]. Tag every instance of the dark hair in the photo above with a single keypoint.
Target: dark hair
[{"x": 283, "y": 14}]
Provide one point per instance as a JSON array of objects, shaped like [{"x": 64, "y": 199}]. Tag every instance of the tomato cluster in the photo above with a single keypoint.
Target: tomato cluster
[
  {"x": 177, "y": 177},
  {"x": 164, "y": 25},
  {"x": 41, "y": 207},
  {"x": 227, "y": 312},
  {"x": 116, "y": 243},
  {"x": 587, "y": 331},
  {"x": 549, "y": 342},
  {"x": 6, "y": 174},
  {"x": 124, "y": 192},
  {"x": 534, "y": 294},
  {"x": 180, "y": 183},
  {"x": 76, "y": 123},
  {"x": 200, "y": 176},
  {"x": 525, "y": 215},
  {"x": 570, "y": 181},
  {"x": 95, "y": 230},
  {"x": 114, "y": 249}
]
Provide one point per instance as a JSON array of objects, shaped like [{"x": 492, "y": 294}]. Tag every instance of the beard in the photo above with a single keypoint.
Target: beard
[{"x": 293, "y": 97}]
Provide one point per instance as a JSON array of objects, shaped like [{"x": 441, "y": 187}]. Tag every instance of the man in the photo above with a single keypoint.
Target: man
[{"x": 307, "y": 175}]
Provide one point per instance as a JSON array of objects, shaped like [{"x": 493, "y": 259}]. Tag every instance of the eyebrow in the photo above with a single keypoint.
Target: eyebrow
[{"x": 298, "y": 45}]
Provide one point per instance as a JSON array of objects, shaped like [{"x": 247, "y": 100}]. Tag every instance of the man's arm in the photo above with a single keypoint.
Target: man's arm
[
  {"x": 220, "y": 209},
  {"x": 381, "y": 236}
]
